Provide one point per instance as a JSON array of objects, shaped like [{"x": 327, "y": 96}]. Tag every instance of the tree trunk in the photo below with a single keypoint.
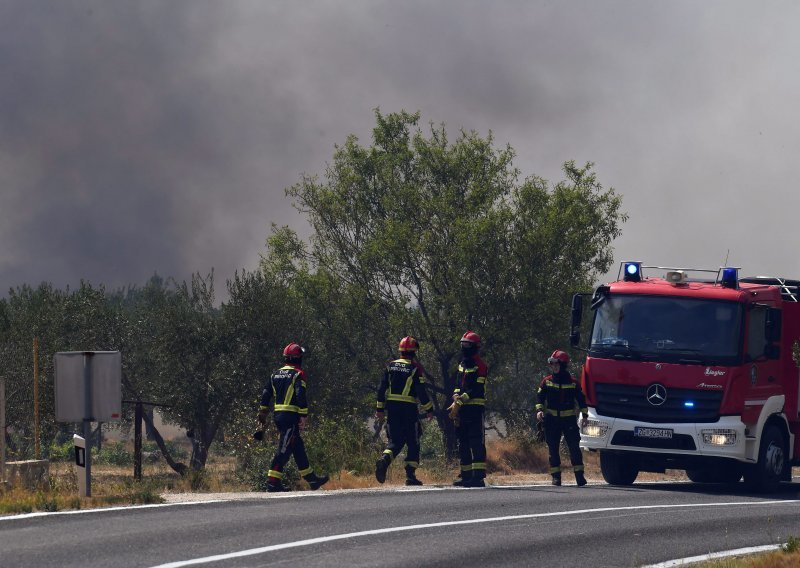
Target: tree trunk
[
  {"x": 448, "y": 428},
  {"x": 178, "y": 467}
]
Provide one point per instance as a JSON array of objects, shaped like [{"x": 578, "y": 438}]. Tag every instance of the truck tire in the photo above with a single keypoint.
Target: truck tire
[
  {"x": 765, "y": 475},
  {"x": 617, "y": 469},
  {"x": 699, "y": 475},
  {"x": 727, "y": 475}
]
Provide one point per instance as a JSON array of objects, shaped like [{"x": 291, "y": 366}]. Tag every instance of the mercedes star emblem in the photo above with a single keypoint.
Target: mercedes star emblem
[{"x": 656, "y": 394}]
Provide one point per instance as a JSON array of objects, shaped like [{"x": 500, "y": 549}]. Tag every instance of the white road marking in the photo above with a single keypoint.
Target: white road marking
[
  {"x": 103, "y": 510},
  {"x": 320, "y": 540},
  {"x": 714, "y": 555}
]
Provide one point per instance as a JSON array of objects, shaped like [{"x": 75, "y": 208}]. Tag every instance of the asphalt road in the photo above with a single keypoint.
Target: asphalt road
[{"x": 595, "y": 526}]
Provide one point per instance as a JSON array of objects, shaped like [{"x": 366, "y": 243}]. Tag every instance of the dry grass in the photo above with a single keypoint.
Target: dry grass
[{"x": 778, "y": 559}]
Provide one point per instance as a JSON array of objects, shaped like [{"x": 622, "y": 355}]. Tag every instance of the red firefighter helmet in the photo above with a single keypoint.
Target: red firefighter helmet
[
  {"x": 471, "y": 337},
  {"x": 559, "y": 356},
  {"x": 408, "y": 343},
  {"x": 293, "y": 351}
]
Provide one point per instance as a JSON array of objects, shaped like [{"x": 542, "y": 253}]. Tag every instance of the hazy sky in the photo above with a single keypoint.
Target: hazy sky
[{"x": 141, "y": 137}]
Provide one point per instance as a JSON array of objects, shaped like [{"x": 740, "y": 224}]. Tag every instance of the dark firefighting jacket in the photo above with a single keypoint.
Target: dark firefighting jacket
[
  {"x": 561, "y": 395},
  {"x": 287, "y": 386},
  {"x": 403, "y": 381},
  {"x": 471, "y": 382}
]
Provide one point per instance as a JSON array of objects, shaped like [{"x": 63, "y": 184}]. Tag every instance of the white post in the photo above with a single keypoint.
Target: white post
[
  {"x": 2, "y": 432},
  {"x": 82, "y": 456}
]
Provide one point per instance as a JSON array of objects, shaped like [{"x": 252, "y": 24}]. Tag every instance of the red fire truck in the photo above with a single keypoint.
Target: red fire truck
[{"x": 693, "y": 370}]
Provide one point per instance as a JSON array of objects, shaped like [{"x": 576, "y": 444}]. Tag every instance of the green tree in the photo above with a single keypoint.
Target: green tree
[{"x": 442, "y": 237}]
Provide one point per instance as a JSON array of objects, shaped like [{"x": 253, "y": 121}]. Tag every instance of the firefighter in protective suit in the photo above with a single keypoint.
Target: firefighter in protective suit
[
  {"x": 467, "y": 410},
  {"x": 287, "y": 386},
  {"x": 402, "y": 385},
  {"x": 559, "y": 398}
]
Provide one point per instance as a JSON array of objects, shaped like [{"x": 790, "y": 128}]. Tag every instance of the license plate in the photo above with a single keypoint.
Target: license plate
[{"x": 659, "y": 433}]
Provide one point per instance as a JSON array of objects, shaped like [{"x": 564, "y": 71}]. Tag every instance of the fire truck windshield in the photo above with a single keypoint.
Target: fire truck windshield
[{"x": 669, "y": 329}]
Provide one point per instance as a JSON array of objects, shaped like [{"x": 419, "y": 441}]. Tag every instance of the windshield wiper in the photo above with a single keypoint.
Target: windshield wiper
[{"x": 630, "y": 351}]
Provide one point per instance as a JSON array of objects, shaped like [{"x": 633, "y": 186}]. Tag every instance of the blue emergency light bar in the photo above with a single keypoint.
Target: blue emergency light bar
[
  {"x": 688, "y": 404},
  {"x": 633, "y": 272},
  {"x": 730, "y": 278}
]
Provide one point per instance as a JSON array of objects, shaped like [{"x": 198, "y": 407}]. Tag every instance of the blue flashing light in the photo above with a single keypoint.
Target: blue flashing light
[
  {"x": 633, "y": 272},
  {"x": 689, "y": 404},
  {"x": 730, "y": 278}
]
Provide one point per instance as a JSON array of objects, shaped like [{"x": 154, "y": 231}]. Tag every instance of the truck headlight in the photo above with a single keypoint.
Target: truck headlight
[
  {"x": 594, "y": 429},
  {"x": 719, "y": 437}
]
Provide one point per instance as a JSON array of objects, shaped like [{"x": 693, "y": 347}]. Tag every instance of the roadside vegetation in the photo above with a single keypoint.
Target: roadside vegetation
[
  {"x": 241, "y": 466},
  {"x": 787, "y": 557}
]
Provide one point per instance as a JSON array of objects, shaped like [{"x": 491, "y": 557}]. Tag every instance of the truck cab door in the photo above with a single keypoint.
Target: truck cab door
[{"x": 761, "y": 354}]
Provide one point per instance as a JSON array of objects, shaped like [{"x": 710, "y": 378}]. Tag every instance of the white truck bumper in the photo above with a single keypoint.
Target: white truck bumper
[{"x": 724, "y": 438}]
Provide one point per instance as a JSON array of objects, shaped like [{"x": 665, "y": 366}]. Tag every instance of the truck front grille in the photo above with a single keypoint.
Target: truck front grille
[
  {"x": 630, "y": 402},
  {"x": 677, "y": 442}
]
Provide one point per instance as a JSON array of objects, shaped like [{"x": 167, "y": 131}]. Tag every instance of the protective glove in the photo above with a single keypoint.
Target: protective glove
[
  {"x": 262, "y": 416},
  {"x": 258, "y": 435},
  {"x": 453, "y": 413}
]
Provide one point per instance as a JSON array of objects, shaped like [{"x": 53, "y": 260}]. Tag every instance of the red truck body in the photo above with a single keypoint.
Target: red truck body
[{"x": 695, "y": 375}]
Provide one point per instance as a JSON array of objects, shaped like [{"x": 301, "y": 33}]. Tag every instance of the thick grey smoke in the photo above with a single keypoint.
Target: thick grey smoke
[{"x": 141, "y": 137}]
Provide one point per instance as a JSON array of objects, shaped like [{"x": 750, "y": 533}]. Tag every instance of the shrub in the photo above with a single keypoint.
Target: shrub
[
  {"x": 341, "y": 443},
  {"x": 113, "y": 453},
  {"x": 61, "y": 452}
]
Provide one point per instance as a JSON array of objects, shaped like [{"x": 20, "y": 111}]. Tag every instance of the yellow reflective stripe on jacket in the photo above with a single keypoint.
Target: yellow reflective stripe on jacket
[
  {"x": 561, "y": 412},
  {"x": 475, "y": 401},
  {"x": 466, "y": 370},
  {"x": 428, "y": 406},
  {"x": 289, "y": 394},
  {"x": 560, "y": 386},
  {"x": 404, "y": 396},
  {"x": 400, "y": 398},
  {"x": 286, "y": 408},
  {"x": 481, "y": 379}
]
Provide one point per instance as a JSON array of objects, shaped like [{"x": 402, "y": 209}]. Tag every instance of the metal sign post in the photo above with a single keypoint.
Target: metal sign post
[
  {"x": 88, "y": 389},
  {"x": 87, "y": 424},
  {"x": 2, "y": 433}
]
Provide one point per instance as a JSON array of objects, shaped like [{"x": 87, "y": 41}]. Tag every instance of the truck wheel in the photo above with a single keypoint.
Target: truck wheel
[
  {"x": 728, "y": 475},
  {"x": 617, "y": 469},
  {"x": 699, "y": 475},
  {"x": 765, "y": 475}
]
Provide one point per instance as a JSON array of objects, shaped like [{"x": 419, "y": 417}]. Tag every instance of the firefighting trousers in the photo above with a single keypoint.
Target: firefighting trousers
[
  {"x": 403, "y": 429},
  {"x": 471, "y": 442},
  {"x": 290, "y": 444},
  {"x": 554, "y": 427}
]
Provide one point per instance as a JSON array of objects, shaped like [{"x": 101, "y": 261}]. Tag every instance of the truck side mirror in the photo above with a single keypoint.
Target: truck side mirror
[
  {"x": 772, "y": 325},
  {"x": 577, "y": 310}
]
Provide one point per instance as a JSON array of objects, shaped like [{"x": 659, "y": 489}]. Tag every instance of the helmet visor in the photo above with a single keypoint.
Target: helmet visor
[{"x": 552, "y": 360}]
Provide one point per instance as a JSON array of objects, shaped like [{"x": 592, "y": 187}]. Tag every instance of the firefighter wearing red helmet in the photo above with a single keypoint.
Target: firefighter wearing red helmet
[
  {"x": 469, "y": 400},
  {"x": 401, "y": 388},
  {"x": 287, "y": 386},
  {"x": 560, "y": 398}
]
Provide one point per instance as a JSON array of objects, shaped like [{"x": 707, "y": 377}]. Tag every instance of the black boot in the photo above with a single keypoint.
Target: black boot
[
  {"x": 381, "y": 467},
  {"x": 276, "y": 487},
  {"x": 580, "y": 479},
  {"x": 464, "y": 480},
  {"x": 556, "y": 480},
  {"x": 411, "y": 477},
  {"x": 476, "y": 481},
  {"x": 316, "y": 481}
]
